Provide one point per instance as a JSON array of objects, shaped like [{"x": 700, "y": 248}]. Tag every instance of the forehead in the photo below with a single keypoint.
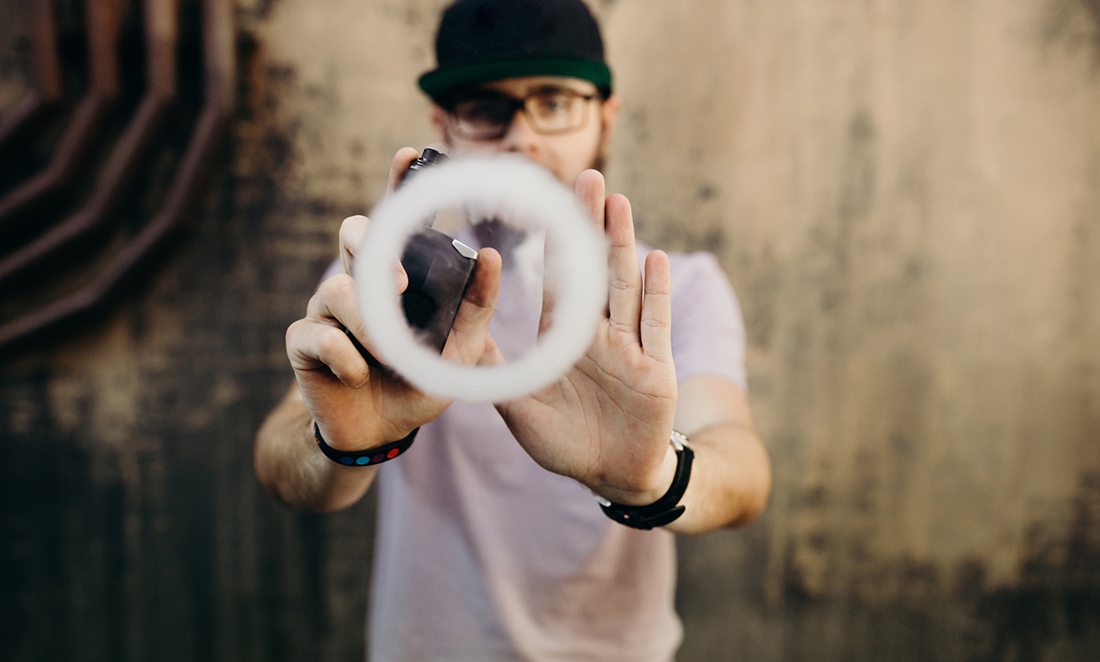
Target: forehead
[{"x": 519, "y": 87}]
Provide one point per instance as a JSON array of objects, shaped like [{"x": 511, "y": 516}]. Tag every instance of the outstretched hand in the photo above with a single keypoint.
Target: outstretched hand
[{"x": 607, "y": 421}]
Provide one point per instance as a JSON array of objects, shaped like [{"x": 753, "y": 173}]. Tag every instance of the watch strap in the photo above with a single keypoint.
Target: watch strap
[{"x": 666, "y": 509}]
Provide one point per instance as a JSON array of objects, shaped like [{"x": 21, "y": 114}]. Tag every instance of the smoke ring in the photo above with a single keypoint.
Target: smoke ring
[{"x": 486, "y": 187}]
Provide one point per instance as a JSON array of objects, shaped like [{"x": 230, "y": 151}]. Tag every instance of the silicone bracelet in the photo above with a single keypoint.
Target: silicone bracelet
[{"x": 370, "y": 456}]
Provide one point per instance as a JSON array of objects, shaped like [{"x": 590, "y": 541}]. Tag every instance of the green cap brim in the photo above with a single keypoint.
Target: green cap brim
[{"x": 440, "y": 83}]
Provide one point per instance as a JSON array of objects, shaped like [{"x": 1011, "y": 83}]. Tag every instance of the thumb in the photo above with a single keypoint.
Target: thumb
[{"x": 467, "y": 341}]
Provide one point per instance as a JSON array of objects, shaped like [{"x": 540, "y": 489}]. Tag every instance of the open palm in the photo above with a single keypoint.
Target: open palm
[{"x": 607, "y": 421}]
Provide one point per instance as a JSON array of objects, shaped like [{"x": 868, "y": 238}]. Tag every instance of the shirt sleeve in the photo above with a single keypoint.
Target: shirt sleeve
[{"x": 708, "y": 331}]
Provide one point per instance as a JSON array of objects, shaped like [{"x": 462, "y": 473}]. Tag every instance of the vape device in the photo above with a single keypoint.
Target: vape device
[
  {"x": 429, "y": 157},
  {"x": 439, "y": 267}
]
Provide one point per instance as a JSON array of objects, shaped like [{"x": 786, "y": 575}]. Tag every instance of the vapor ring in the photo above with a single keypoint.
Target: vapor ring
[{"x": 510, "y": 187}]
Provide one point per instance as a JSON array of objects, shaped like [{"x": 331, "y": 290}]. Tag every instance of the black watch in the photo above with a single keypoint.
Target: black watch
[{"x": 663, "y": 510}]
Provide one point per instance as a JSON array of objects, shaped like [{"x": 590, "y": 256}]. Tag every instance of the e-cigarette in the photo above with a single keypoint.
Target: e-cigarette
[{"x": 440, "y": 269}]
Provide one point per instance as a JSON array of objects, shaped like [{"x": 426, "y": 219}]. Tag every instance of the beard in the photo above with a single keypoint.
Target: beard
[{"x": 504, "y": 237}]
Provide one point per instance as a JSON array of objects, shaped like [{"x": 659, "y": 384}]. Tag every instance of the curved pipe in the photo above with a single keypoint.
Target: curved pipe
[
  {"x": 47, "y": 91},
  {"x": 220, "y": 81},
  {"x": 161, "y": 37},
  {"x": 103, "y": 21}
]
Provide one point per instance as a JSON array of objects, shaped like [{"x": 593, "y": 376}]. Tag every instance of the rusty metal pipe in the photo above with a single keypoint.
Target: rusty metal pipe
[
  {"x": 103, "y": 19},
  {"x": 161, "y": 19},
  {"x": 46, "y": 93},
  {"x": 220, "y": 83}
]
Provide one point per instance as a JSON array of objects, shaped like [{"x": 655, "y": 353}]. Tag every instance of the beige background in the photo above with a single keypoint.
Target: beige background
[{"x": 906, "y": 198}]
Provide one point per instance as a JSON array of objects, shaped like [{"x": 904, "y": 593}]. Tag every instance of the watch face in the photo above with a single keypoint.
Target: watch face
[{"x": 679, "y": 440}]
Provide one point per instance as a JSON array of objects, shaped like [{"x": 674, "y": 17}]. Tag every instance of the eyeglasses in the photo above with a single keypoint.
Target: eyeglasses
[{"x": 486, "y": 115}]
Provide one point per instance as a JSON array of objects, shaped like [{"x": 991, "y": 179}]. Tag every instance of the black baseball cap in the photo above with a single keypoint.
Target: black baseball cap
[{"x": 485, "y": 40}]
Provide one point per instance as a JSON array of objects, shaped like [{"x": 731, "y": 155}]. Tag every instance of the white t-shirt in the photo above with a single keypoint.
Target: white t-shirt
[{"x": 483, "y": 555}]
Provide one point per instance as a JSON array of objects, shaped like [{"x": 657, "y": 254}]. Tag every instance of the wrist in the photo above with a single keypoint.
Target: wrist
[
  {"x": 366, "y": 457},
  {"x": 657, "y": 488},
  {"x": 354, "y": 441},
  {"x": 665, "y": 509}
]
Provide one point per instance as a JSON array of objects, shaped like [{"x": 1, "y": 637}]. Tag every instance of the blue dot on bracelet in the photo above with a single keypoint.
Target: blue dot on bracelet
[{"x": 367, "y": 457}]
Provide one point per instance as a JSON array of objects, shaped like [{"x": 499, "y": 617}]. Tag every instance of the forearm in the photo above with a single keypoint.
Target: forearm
[
  {"x": 730, "y": 479},
  {"x": 292, "y": 468}
]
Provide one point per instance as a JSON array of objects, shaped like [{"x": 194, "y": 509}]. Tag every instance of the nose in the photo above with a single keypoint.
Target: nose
[{"x": 522, "y": 138}]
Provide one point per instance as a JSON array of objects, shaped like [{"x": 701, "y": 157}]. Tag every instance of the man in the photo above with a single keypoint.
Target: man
[{"x": 491, "y": 544}]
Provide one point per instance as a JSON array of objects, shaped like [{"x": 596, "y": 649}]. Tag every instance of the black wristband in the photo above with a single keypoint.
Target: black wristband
[
  {"x": 370, "y": 456},
  {"x": 663, "y": 510}
]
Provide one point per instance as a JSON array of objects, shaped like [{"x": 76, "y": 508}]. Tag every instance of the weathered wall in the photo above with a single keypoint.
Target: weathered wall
[{"x": 906, "y": 197}]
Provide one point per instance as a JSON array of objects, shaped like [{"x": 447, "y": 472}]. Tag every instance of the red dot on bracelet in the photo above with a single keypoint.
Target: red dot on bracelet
[{"x": 392, "y": 454}]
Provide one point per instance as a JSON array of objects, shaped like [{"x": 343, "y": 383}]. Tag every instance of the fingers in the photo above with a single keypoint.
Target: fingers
[
  {"x": 401, "y": 276},
  {"x": 399, "y": 166},
  {"x": 311, "y": 346},
  {"x": 614, "y": 217},
  {"x": 318, "y": 340},
  {"x": 352, "y": 231},
  {"x": 590, "y": 191},
  {"x": 624, "y": 296},
  {"x": 656, "y": 322},
  {"x": 469, "y": 338},
  {"x": 334, "y": 301},
  {"x": 334, "y": 305}
]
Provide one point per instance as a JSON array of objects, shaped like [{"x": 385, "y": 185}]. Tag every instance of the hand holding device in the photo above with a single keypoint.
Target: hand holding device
[
  {"x": 355, "y": 406},
  {"x": 440, "y": 269}
]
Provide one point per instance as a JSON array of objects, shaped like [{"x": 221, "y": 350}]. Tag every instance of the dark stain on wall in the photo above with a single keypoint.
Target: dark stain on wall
[
  {"x": 1093, "y": 9},
  {"x": 62, "y": 534},
  {"x": 859, "y": 182},
  {"x": 1072, "y": 24},
  {"x": 1057, "y": 597},
  {"x": 1049, "y": 611},
  {"x": 132, "y": 526}
]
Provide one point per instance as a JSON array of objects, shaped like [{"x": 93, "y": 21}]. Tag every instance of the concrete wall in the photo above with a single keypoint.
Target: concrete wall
[{"x": 906, "y": 197}]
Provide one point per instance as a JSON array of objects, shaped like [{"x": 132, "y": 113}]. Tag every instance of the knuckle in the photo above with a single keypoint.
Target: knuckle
[
  {"x": 295, "y": 329},
  {"x": 331, "y": 341},
  {"x": 295, "y": 333},
  {"x": 621, "y": 283},
  {"x": 298, "y": 342},
  {"x": 621, "y": 327},
  {"x": 351, "y": 230},
  {"x": 337, "y": 287}
]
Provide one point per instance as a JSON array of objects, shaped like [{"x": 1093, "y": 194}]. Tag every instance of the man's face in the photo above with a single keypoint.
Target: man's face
[{"x": 564, "y": 153}]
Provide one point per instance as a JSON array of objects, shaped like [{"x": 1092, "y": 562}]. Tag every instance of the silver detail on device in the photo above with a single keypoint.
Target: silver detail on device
[{"x": 464, "y": 250}]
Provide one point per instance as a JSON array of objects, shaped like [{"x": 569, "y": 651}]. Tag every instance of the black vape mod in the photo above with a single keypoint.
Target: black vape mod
[{"x": 440, "y": 269}]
